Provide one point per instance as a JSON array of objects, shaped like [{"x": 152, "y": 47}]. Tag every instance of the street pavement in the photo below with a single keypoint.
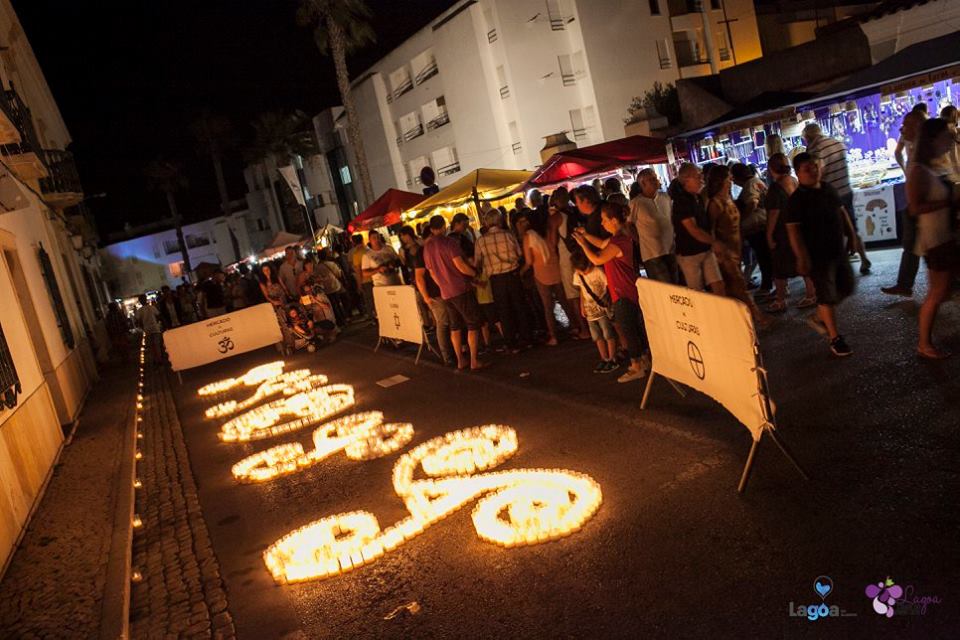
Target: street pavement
[{"x": 674, "y": 551}]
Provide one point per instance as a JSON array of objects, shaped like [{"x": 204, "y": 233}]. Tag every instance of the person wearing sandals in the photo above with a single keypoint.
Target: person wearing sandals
[
  {"x": 782, "y": 185},
  {"x": 596, "y": 306},
  {"x": 930, "y": 201},
  {"x": 725, "y": 219}
]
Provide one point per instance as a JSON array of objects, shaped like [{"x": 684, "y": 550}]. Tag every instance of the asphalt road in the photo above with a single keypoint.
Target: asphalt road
[{"x": 674, "y": 551}]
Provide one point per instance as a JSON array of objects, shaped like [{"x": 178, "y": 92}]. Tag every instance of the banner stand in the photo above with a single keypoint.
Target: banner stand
[
  {"x": 646, "y": 390},
  {"x": 398, "y": 317}
]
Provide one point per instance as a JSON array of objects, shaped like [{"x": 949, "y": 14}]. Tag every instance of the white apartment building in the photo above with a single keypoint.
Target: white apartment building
[
  {"x": 487, "y": 80},
  {"x": 145, "y": 261},
  {"x": 51, "y": 302},
  {"x": 273, "y": 207}
]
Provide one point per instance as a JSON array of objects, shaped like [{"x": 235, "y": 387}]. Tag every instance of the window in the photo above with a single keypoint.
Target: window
[
  {"x": 445, "y": 160},
  {"x": 171, "y": 247},
  {"x": 515, "y": 137},
  {"x": 262, "y": 224},
  {"x": 9, "y": 380},
  {"x": 663, "y": 52},
  {"x": 502, "y": 81},
  {"x": 400, "y": 81},
  {"x": 715, "y": 5},
  {"x": 56, "y": 299},
  {"x": 415, "y": 166},
  {"x": 424, "y": 66},
  {"x": 579, "y": 65},
  {"x": 411, "y": 126},
  {"x": 567, "y": 76},
  {"x": 723, "y": 48},
  {"x": 654, "y": 7},
  {"x": 176, "y": 270},
  {"x": 491, "y": 28},
  {"x": 581, "y": 122},
  {"x": 194, "y": 241},
  {"x": 345, "y": 177},
  {"x": 555, "y": 15},
  {"x": 435, "y": 113}
]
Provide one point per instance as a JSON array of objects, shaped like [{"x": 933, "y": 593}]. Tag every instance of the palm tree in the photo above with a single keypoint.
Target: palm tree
[
  {"x": 341, "y": 27},
  {"x": 213, "y": 133},
  {"x": 166, "y": 176}
]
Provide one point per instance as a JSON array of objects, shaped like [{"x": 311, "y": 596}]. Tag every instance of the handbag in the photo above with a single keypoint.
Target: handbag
[{"x": 605, "y": 303}]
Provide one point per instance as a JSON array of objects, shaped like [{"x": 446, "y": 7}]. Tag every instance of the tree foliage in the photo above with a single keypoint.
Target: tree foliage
[
  {"x": 353, "y": 17},
  {"x": 662, "y": 99},
  {"x": 282, "y": 135}
]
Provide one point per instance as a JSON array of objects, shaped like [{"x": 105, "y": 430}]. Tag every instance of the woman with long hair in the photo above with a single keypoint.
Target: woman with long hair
[
  {"x": 931, "y": 201},
  {"x": 274, "y": 293},
  {"x": 725, "y": 219},
  {"x": 544, "y": 260},
  {"x": 782, "y": 185},
  {"x": 615, "y": 255}
]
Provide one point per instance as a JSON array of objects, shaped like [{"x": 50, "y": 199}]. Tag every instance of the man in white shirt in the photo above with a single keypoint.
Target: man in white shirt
[
  {"x": 650, "y": 220},
  {"x": 289, "y": 271},
  {"x": 381, "y": 264},
  {"x": 147, "y": 317}
]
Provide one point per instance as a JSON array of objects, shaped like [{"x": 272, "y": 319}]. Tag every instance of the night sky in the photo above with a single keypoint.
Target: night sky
[{"x": 130, "y": 77}]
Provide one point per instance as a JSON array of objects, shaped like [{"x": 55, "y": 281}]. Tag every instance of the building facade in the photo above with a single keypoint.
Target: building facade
[
  {"x": 51, "y": 300},
  {"x": 487, "y": 80}
]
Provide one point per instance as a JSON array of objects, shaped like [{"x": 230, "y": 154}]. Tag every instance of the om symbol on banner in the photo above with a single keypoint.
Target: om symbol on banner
[{"x": 225, "y": 344}]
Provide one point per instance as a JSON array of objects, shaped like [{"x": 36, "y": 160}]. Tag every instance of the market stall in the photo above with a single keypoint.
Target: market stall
[
  {"x": 865, "y": 112},
  {"x": 466, "y": 194},
  {"x": 602, "y": 160},
  {"x": 385, "y": 211}
]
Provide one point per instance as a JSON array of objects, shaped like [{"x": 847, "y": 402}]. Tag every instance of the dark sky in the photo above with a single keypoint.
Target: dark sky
[{"x": 130, "y": 77}]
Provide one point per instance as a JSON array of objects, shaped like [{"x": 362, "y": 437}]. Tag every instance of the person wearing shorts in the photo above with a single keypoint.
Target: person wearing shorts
[
  {"x": 820, "y": 233},
  {"x": 444, "y": 260},
  {"x": 595, "y": 306},
  {"x": 691, "y": 224}
]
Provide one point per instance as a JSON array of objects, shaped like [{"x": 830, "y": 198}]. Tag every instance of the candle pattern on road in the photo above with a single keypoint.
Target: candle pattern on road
[{"x": 287, "y": 383}]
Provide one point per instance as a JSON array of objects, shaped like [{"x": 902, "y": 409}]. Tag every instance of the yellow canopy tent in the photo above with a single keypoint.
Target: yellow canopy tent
[{"x": 480, "y": 185}]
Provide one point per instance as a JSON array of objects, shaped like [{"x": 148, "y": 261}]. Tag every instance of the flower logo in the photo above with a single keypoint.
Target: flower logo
[{"x": 884, "y": 595}]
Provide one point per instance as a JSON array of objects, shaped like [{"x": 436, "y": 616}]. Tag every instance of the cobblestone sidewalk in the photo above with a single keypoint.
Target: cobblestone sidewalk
[
  {"x": 181, "y": 593},
  {"x": 54, "y": 587}
]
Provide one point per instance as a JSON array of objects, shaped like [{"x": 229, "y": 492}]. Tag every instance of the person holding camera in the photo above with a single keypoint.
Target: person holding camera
[{"x": 381, "y": 264}]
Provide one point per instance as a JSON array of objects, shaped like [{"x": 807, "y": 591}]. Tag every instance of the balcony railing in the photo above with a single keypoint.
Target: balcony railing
[
  {"x": 505, "y": 92},
  {"x": 449, "y": 169},
  {"x": 428, "y": 72},
  {"x": 580, "y": 134},
  {"x": 438, "y": 122},
  {"x": 400, "y": 140},
  {"x": 568, "y": 79},
  {"x": 517, "y": 147},
  {"x": 405, "y": 86},
  {"x": 415, "y": 132},
  {"x": 492, "y": 36},
  {"x": 63, "y": 180},
  {"x": 20, "y": 145}
]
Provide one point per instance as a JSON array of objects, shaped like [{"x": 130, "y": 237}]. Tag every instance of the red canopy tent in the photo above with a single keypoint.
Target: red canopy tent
[
  {"x": 573, "y": 164},
  {"x": 386, "y": 210}
]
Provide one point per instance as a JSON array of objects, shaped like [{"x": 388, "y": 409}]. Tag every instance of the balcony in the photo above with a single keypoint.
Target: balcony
[
  {"x": 504, "y": 92},
  {"x": 61, "y": 188},
  {"x": 438, "y": 122},
  {"x": 683, "y": 7},
  {"x": 492, "y": 36},
  {"x": 517, "y": 148},
  {"x": 428, "y": 72},
  {"x": 449, "y": 169},
  {"x": 415, "y": 132},
  {"x": 19, "y": 146},
  {"x": 406, "y": 85}
]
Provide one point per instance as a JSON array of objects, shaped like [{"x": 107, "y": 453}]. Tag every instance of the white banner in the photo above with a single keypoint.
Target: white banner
[
  {"x": 876, "y": 213},
  {"x": 289, "y": 174},
  {"x": 705, "y": 342},
  {"x": 398, "y": 313},
  {"x": 219, "y": 338}
]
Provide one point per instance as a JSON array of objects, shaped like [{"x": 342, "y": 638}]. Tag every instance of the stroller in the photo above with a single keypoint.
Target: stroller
[{"x": 307, "y": 326}]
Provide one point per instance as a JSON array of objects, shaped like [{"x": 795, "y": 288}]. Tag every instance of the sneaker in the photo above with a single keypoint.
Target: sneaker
[
  {"x": 840, "y": 348},
  {"x": 865, "y": 267},
  {"x": 897, "y": 290},
  {"x": 601, "y": 367},
  {"x": 610, "y": 366},
  {"x": 816, "y": 324},
  {"x": 631, "y": 375}
]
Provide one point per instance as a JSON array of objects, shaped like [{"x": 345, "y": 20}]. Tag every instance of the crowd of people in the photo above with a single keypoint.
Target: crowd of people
[{"x": 565, "y": 266}]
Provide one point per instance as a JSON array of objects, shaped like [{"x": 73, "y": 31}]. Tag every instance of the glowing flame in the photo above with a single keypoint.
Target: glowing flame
[
  {"x": 363, "y": 436},
  {"x": 529, "y": 506},
  {"x": 251, "y": 378},
  {"x": 286, "y": 383},
  {"x": 292, "y": 413}
]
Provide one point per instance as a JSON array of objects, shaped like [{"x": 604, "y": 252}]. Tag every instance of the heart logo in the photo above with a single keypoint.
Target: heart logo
[{"x": 823, "y": 585}]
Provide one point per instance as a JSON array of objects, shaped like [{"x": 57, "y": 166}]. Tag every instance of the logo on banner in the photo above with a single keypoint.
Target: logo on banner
[
  {"x": 225, "y": 344},
  {"x": 823, "y": 587},
  {"x": 696, "y": 360}
]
